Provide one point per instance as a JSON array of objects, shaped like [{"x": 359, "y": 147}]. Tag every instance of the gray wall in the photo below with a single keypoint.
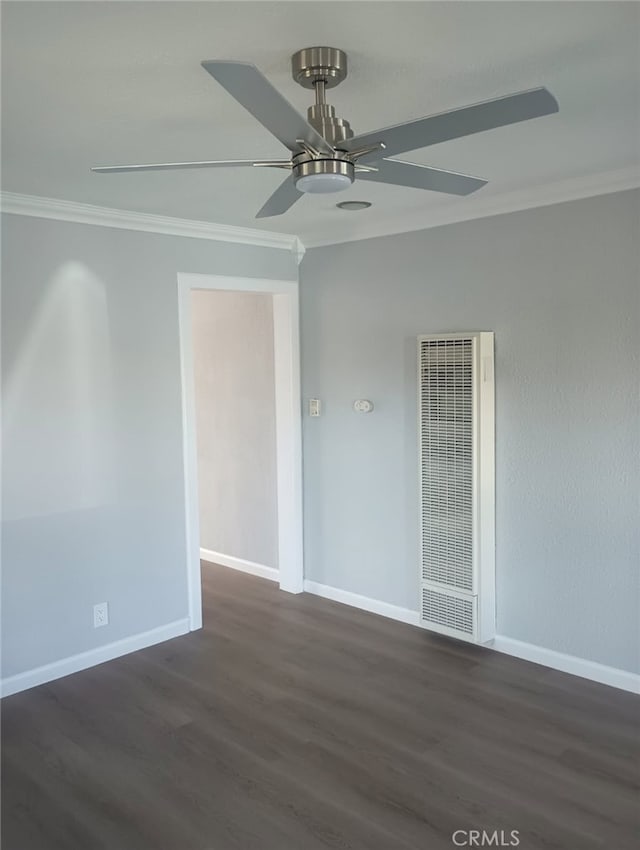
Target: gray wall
[
  {"x": 560, "y": 287},
  {"x": 92, "y": 486},
  {"x": 236, "y": 423}
]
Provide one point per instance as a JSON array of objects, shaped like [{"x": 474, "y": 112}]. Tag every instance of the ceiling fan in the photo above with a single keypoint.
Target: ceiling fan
[{"x": 326, "y": 156}]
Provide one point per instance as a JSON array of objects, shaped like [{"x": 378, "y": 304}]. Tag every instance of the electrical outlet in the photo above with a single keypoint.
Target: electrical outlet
[{"x": 100, "y": 615}]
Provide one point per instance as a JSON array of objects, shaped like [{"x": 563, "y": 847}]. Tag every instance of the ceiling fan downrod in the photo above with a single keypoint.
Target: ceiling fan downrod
[{"x": 322, "y": 68}]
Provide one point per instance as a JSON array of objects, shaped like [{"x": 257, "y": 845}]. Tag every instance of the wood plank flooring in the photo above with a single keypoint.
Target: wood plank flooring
[{"x": 296, "y": 723}]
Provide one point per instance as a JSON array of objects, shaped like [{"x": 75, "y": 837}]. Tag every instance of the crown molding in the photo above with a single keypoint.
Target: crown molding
[
  {"x": 473, "y": 207},
  {"x": 14, "y": 203},
  {"x": 477, "y": 206}
]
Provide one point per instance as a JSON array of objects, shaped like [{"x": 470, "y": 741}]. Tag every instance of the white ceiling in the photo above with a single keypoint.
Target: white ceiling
[{"x": 94, "y": 83}]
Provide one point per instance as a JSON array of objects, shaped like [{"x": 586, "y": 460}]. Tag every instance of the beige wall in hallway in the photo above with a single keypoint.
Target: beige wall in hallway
[{"x": 235, "y": 419}]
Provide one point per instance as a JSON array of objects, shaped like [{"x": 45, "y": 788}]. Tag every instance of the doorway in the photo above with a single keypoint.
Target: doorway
[{"x": 288, "y": 455}]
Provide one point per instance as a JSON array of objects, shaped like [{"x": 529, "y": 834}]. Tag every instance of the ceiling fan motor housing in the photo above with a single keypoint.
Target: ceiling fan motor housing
[{"x": 322, "y": 117}]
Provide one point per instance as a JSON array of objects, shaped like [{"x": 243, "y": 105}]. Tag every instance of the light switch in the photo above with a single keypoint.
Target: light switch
[{"x": 314, "y": 407}]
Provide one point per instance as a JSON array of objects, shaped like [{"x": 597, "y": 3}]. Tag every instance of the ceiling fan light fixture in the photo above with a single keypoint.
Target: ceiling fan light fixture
[{"x": 321, "y": 184}]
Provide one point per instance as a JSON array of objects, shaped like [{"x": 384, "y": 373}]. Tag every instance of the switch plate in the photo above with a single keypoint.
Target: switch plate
[{"x": 314, "y": 407}]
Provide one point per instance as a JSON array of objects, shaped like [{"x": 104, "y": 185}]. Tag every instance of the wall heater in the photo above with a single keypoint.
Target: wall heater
[{"x": 457, "y": 484}]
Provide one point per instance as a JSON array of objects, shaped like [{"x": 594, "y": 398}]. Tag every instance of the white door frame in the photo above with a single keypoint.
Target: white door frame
[{"x": 286, "y": 342}]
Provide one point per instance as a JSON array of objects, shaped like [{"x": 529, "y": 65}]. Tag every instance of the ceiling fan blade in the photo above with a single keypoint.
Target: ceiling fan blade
[
  {"x": 422, "y": 177},
  {"x": 254, "y": 91},
  {"x": 455, "y": 124},
  {"x": 216, "y": 163},
  {"x": 282, "y": 199}
]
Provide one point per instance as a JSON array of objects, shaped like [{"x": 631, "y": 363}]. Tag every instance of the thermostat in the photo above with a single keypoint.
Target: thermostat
[{"x": 362, "y": 405}]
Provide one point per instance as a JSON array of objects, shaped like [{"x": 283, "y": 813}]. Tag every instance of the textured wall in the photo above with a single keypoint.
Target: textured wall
[
  {"x": 92, "y": 478},
  {"x": 235, "y": 413},
  {"x": 560, "y": 287}
]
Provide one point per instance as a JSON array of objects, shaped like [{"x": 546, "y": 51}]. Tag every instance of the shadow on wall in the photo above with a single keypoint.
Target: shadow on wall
[{"x": 58, "y": 417}]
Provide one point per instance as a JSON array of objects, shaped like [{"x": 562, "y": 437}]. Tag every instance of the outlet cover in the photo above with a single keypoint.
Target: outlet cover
[{"x": 100, "y": 615}]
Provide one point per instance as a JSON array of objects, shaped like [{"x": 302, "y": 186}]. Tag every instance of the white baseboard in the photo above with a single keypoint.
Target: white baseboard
[
  {"x": 375, "y": 606},
  {"x": 75, "y": 663},
  {"x": 240, "y": 564},
  {"x": 527, "y": 651},
  {"x": 612, "y": 676},
  {"x": 592, "y": 670}
]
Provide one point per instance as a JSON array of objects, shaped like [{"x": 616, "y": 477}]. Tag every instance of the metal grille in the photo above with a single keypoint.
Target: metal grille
[
  {"x": 446, "y": 421},
  {"x": 448, "y": 611}
]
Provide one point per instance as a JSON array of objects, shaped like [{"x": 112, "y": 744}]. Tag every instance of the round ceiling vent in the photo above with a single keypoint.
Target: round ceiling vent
[{"x": 353, "y": 206}]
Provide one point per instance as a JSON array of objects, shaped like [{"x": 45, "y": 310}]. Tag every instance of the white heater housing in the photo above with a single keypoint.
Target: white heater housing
[{"x": 456, "y": 434}]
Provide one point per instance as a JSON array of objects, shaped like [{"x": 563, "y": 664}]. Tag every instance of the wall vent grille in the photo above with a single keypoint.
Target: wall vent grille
[
  {"x": 456, "y": 461},
  {"x": 456, "y": 614},
  {"x": 446, "y": 403}
]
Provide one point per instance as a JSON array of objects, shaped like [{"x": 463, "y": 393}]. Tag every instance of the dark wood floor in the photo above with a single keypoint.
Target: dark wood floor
[{"x": 295, "y": 723}]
